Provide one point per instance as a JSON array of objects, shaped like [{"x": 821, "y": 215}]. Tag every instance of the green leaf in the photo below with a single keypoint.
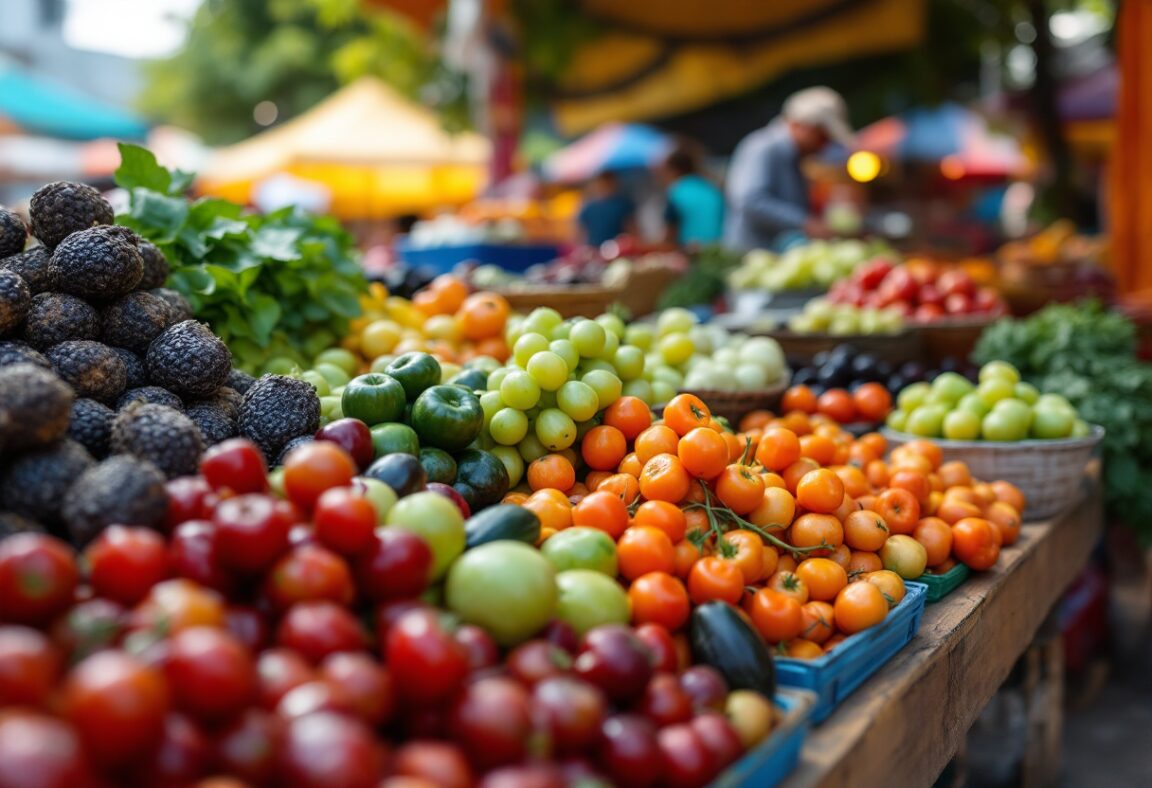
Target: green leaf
[
  {"x": 279, "y": 243},
  {"x": 263, "y": 315},
  {"x": 159, "y": 215},
  {"x": 139, "y": 169}
]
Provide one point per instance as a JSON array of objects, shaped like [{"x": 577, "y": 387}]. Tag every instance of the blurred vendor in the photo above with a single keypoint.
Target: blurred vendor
[
  {"x": 607, "y": 211},
  {"x": 768, "y": 200},
  {"x": 694, "y": 213}
]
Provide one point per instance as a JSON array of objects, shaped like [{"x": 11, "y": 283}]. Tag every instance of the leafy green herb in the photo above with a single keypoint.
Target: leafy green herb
[
  {"x": 705, "y": 280},
  {"x": 278, "y": 284},
  {"x": 1087, "y": 353}
]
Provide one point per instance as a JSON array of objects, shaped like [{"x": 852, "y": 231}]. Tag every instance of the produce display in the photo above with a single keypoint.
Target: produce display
[
  {"x": 817, "y": 264},
  {"x": 585, "y": 265},
  {"x": 822, "y": 316},
  {"x": 998, "y": 408},
  {"x": 922, "y": 293},
  {"x": 263, "y": 522}
]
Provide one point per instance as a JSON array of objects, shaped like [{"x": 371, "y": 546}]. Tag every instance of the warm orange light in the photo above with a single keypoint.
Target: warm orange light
[{"x": 952, "y": 168}]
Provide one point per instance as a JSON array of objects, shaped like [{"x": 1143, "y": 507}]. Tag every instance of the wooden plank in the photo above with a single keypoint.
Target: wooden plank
[{"x": 905, "y": 723}]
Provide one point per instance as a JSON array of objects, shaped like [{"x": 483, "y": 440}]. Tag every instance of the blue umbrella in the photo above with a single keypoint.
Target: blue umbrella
[
  {"x": 617, "y": 146},
  {"x": 42, "y": 107}
]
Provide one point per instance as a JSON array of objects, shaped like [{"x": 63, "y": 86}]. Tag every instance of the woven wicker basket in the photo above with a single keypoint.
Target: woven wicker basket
[
  {"x": 568, "y": 300},
  {"x": 1049, "y": 473}
]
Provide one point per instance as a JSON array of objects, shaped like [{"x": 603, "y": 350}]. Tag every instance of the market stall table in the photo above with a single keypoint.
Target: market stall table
[{"x": 905, "y": 724}]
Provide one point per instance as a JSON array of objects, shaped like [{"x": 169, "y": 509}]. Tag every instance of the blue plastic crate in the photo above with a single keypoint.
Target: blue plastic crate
[
  {"x": 774, "y": 758},
  {"x": 442, "y": 259},
  {"x": 836, "y": 675}
]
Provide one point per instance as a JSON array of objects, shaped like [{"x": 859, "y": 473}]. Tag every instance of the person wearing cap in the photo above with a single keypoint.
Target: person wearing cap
[{"x": 767, "y": 191}]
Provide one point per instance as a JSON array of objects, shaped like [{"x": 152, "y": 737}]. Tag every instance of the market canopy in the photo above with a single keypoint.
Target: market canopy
[
  {"x": 377, "y": 153},
  {"x": 41, "y": 107},
  {"x": 951, "y": 134},
  {"x": 616, "y": 146}
]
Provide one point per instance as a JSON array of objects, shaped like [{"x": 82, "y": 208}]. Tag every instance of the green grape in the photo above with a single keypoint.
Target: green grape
[
  {"x": 565, "y": 350},
  {"x": 531, "y": 448},
  {"x": 667, "y": 375},
  {"x": 519, "y": 390},
  {"x": 588, "y": 338},
  {"x": 490, "y": 402},
  {"x": 512, "y": 461},
  {"x": 555, "y": 429},
  {"x": 611, "y": 343},
  {"x": 629, "y": 362},
  {"x": 546, "y": 317},
  {"x": 561, "y": 331},
  {"x": 641, "y": 335},
  {"x": 548, "y": 370},
  {"x": 639, "y": 388},
  {"x": 496, "y": 377},
  {"x": 485, "y": 364},
  {"x": 508, "y": 426},
  {"x": 612, "y": 324},
  {"x": 606, "y": 385},
  {"x": 578, "y": 400},
  {"x": 527, "y": 346},
  {"x": 661, "y": 393},
  {"x": 589, "y": 364},
  {"x": 676, "y": 348}
]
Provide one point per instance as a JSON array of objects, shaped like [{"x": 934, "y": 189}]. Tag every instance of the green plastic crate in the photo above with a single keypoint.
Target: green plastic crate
[{"x": 940, "y": 586}]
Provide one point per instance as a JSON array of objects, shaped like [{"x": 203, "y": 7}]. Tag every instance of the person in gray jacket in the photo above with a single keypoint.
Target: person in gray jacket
[{"x": 767, "y": 192}]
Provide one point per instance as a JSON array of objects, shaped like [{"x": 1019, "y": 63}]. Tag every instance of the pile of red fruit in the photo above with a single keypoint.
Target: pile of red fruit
[
  {"x": 287, "y": 641},
  {"x": 921, "y": 293}
]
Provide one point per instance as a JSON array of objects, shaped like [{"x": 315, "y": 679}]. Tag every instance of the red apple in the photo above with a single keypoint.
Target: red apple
[
  {"x": 899, "y": 285},
  {"x": 956, "y": 282},
  {"x": 930, "y": 294},
  {"x": 927, "y": 313},
  {"x": 957, "y": 304},
  {"x": 870, "y": 275}
]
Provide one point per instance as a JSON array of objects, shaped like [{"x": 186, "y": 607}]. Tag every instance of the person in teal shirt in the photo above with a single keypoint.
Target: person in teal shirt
[{"x": 694, "y": 214}]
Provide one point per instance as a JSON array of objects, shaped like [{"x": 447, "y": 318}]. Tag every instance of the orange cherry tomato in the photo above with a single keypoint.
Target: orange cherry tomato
[
  {"x": 799, "y": 398},
  {"x": 872, "y": 402},
  {"x": 775, "y": 511},
  {"x": 865, "y": 530},
  {"x": 796, "y": 471},
  {"x": 912, "y": 481},
  {"x": 630, "y": 415},
  {"x": 603, "y": 448},
  {"x": 482, "y": 315},
  {"x": 891, "y": 585},
  {"x": 837, "y": 405},
  {"x": 789, "y": 584},
  {"x": 659, "y": 598},
  {"x": 776, "y": 616},
  {"x": 859, "y": 606},
  {"x": 860, "y": 563},
  {"x": 664, "y": 479},
  {"x": 687, "y": 554},
  {"x": 974, "y": 542},
  {"x": 552, "y": 471},
  {"x": 820, "y": 491},
  {"x": 552, "y": 513},
  {"x": 954, "y": 474},
  {"x": 668, "y": 517},
  {"x": 756, "y": 419},
  {"x": 854, "y": 481},
  {"x": 818, "y": 621},
  {"x": 704, "y": 453},
  {"x": 631, "y": 465},
  {"x": 643, "y": 549},
  {"x": 778, "y": 449},
  {"x": 824, "y": 578},
  {"x": 803, "y": 649},
  {"x": 817, "y": 530},
  {"x": 1005, "y": 517},
  {"x": 594, "y": 478},
  {"x": 740, "y": 488},
  {"x": 657, "y": 439},
  {"x": 936, "y": 537},
  {"x": 602, "y": 510},
  {"x": 714, "y": 578},
  {"x": 819, "y": 448},
  {"x": 900, "y": 510},
  {"x": 1009, "y": 494},
  {"x": 686, "y": 412},
  {"x": 745, "y": 549}
]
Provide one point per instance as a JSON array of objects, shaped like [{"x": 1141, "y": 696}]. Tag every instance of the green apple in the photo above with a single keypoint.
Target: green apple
[
  {"x": 1052, "y": 423},
  {"x": 927, "y": 421},
  {"x": 962, "y": 425},
  {"x": 994, "y": 390},
  {"x": 1081, "y": 429},
  {"x": 950, "y": 387},
  {"x": 1001, "y": 426},
  {"x": 1027, "y": 392},
  {"x": 1054, "y": 401},
  {"x": 913, "y": 396},
  {"x": 380, "y": 495},
  {"x": 973, "y": 404},
  {"x": 589, "y": 599},
  {"x": 897, "y": 420},
  {"x": 1017, "y": 409},
  {"x": 999, "y": 370}
]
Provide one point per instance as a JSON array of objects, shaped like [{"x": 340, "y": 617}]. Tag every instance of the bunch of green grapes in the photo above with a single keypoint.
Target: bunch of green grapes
[{"x": 561, "y": 375}]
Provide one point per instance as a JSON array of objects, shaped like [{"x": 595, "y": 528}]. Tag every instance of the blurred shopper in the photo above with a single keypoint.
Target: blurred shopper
[
  {"x": 768, "y": 201},
  {"x": 694, "y": 213},
  {"x": 607, "y": 211}
]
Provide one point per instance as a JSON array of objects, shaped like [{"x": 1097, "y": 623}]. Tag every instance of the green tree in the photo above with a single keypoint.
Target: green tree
[{"x": 292, "y": 53}]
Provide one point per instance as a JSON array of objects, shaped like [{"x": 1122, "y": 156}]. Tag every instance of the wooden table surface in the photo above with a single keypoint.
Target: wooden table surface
[{"x": 907, "y": 721}]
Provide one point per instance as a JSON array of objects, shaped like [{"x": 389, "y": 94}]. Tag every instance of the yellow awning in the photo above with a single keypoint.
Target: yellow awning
[{"x": 376, "y": 152}]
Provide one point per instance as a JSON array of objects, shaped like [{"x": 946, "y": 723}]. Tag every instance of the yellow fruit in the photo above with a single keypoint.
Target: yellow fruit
[
  {"x": 410, "y": 346},
  {"x": 351, "y": 342},
  {"x": 379, "y": 338},
  {"x": 442, "y": 327},
  {"x": 378, "y": 291},
  {"x": 404, "y": 313}
]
